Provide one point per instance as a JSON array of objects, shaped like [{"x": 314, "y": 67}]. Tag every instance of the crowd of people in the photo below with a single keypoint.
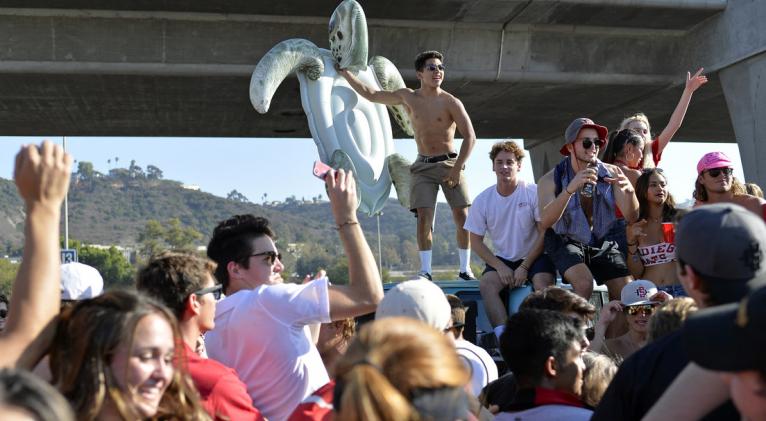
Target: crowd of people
[{"x": 223, "y": 337}]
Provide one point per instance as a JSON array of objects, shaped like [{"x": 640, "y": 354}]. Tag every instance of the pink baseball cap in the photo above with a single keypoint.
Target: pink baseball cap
[{"x": 713, "y": 160}]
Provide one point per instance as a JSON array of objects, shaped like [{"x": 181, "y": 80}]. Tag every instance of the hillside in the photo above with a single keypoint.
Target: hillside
[{"x": 112, "y": 209}]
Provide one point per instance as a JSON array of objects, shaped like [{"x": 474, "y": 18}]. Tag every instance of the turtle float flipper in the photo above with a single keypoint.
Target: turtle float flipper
[
  {"x": 390, "y": 79},
  {"x": 292, "y": 55},
  {"x": 399, "y": 169}
]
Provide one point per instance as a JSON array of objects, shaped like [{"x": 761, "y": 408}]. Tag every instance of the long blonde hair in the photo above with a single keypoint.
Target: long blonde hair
[
  {"x": 388, "y": 362},
  {"x": 87, "y": 338},
  {"x": 647, "y": 161}
]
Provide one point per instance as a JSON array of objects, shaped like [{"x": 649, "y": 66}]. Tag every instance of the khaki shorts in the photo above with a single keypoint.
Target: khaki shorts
[{"x": 426, "y": 179}]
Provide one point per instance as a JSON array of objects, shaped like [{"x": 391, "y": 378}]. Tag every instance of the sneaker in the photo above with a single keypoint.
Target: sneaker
[
  {"x": 425, "y": 275},
  {"x": 466, "y": 276}
]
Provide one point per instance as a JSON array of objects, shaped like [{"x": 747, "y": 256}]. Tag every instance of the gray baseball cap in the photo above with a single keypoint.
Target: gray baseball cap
[
  {"x": 725, "y": 243},
  {"x": 570, "y": 135}
]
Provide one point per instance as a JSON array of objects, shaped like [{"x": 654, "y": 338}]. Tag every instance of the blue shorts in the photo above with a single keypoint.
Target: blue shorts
[
  {"x": 676, "y": 290},
  {"x": 542, "y": 264}
]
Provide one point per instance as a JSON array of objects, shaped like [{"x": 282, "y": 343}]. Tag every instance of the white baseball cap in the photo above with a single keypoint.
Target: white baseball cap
[
  {"x": 638, "y": 292},
  {"x": 80, "y": 281},
  {"x": 418, "y": 299}
]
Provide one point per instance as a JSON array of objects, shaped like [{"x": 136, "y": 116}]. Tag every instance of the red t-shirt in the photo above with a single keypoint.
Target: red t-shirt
[
  {"x": 317, "y": 406},
  {"x": 223, "y": 394}
]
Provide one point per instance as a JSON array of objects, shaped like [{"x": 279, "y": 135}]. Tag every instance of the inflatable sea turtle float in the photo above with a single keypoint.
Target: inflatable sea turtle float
[{"x": 350, "y": 132}]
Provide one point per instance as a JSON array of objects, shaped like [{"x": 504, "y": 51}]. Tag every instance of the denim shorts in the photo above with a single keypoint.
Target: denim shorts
[
  {"x": 676, "y": 290},
  {"x": 605, "y": 262}
]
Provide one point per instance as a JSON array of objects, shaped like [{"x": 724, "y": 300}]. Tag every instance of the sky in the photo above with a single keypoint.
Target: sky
[{"x": 282, "y": 167}]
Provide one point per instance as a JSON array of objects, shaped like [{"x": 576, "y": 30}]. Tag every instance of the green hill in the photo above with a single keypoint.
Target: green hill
[{"x": 113, "y": 209}]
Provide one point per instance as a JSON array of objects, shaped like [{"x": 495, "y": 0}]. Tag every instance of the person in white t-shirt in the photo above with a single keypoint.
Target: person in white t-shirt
[
  {"x": 478, "y": 361},
  {"x": 261, "y": 327},
  {"x": 508, "y": 211}
]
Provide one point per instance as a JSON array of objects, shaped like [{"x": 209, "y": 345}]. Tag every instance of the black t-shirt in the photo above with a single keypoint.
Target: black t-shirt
[{"x": 644, "y": 377}]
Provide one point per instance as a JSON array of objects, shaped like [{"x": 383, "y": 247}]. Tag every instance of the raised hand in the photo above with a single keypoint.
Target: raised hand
[
  {"x": 42, "y": 174},
  {"x": 341, "y": 190},
  {"x": 635, "y": 231},
  {"x": 694, "y": 82}
]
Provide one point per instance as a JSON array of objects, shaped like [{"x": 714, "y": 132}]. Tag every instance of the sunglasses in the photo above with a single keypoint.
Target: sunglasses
[
  {"x": 434, "y": 67},
  {"x": 647, "y": 309},
  {"x": 216, "y": 290},
  {"x": 3, "y": 314},
  {"x": 715, "y": 172},
  {"x": 588, "y": 142},
  {"x": 271, "y": 256}
]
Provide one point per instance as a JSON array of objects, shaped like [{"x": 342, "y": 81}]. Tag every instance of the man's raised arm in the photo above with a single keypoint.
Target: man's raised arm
[
  {"x": 372, "y": 94},
  {"x": 364, "y": 290},
  {"x": 42, "y": 177}
]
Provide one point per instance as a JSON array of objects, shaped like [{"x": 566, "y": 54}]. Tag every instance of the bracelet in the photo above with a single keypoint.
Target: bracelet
[
  {"x": 567, "y": 190},
  {"x": 523, "y": 266},
  {"x": 349, "y": 222}
]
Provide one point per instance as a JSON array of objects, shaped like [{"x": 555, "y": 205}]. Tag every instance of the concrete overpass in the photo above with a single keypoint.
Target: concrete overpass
[{"x": 522, "y": 68}]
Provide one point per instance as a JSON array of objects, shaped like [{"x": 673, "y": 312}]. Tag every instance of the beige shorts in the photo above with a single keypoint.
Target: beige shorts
[{"x": 426, "y": 179}]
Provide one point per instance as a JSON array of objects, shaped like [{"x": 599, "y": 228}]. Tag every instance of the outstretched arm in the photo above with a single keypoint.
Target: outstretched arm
[
  {"x": 372, "y": 94},
  {"x": 364, "y": 290},
  {"x": 42, "y": 177},
  {"x": 692, "y": 84}
]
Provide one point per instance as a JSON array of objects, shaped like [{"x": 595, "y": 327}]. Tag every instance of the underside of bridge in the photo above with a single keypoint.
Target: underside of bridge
[{"x": 523, "y": 69}]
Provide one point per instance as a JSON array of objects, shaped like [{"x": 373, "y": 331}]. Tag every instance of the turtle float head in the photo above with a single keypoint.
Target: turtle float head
[{"x": 348, "y": 36}]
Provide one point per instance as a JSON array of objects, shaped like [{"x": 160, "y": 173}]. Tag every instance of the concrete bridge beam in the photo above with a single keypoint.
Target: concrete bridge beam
[{"x": 744, "y": 86}]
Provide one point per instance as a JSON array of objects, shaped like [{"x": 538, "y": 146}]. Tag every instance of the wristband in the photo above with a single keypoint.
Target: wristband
[
  {"x": 523, "y": 266},
  {"x": 567, "y": 190},
  {"x": 349, "y": 222}
]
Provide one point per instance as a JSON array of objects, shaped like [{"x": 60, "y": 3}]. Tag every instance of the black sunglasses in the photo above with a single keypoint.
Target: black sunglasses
[
  {"x": 433, "y": 67},
  {"x": 3, "y": 314},
  {"x": 715, "y": 172},
  {"x": 588, "y": 142},
  {"x": 271, "y": 256},
  {"x": 216, "y": 290}
]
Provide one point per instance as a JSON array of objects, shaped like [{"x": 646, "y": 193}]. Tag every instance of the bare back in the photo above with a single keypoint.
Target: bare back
[{"x": 433, "y": 119}]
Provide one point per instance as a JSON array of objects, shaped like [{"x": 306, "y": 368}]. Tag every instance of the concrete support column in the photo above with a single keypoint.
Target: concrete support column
[
  {"x": 544, "y": 155},
  {"x": 744, "y": 86}
]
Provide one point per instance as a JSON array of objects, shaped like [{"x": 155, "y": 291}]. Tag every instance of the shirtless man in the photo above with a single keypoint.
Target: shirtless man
[
  {"x": 715, "y": 184},
  {"x": 435, "y": 114}
]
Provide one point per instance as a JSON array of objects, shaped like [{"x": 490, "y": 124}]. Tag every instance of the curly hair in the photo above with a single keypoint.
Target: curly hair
[
  {"x": 506, "y": 146},
  {"x": 233, "y": 242},
  {"x": 88, "y": 337}
]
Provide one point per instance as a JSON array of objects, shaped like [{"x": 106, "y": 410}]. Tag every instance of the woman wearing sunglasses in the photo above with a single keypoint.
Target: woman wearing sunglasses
[
  {"x": 650, "y": 245},
  {"x": 638, "y": 301},
  {"x": 640, "y": 123}
]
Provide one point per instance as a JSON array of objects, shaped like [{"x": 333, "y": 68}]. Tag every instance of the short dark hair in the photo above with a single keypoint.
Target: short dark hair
[
  {"x": 420, "y": 60},
  {"x": 233, "y": 242},
  {"x": 172, "y": 276},
  {"x": 560, "y": 300},
  {"x": 531, "y": 336}
]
